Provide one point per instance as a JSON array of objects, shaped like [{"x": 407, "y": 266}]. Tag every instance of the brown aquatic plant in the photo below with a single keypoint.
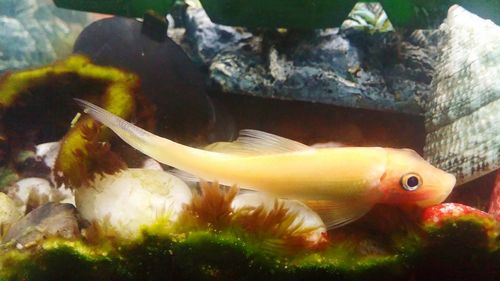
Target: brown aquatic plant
[
  {"x": 278, "y": 227},
  {"x": 211, "y": 206},
  {"x": 95, "y": 158},
  {"x": 96, "y": 232}
]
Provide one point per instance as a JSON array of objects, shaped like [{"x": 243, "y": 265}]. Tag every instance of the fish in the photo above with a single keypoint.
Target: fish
[{"x": 340, "y": 183}]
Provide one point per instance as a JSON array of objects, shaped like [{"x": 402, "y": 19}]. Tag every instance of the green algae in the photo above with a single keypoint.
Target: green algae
[
  {"x": 7, "y": 177},
  {"x": 459, "y": 248},
  {"x": 199, "y": 255},
  {"x": 386, "y": 245},
  {"x": 465, "y": 248}
]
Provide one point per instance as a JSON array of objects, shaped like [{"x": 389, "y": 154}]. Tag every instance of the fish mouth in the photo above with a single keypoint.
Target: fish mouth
[{"x": 438, "y": 193}]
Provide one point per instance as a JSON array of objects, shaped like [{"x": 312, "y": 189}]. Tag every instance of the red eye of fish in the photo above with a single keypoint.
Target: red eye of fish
[{"x": 411, "y": 181}]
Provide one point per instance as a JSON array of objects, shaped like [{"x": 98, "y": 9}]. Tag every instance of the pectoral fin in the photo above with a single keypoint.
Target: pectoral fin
[
  {"x": 338, "y": 213},
  {"x": 183, "y": 175}
]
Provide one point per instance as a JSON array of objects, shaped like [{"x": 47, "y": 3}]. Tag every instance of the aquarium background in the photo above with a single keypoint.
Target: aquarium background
[{"x": 79, "y": 203}]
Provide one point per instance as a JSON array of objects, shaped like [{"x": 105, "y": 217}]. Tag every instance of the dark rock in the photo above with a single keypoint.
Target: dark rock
[
  {"x": 49, "y": 220},
  {"x": 207, "y": 38},
  {"x": 168, "y": 77}
]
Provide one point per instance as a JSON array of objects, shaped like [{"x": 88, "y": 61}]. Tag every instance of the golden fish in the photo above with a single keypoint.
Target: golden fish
[{"x": 340, "y": 183}]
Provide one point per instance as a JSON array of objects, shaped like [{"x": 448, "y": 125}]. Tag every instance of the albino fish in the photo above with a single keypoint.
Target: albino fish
[{"x": 340, "y": 183}]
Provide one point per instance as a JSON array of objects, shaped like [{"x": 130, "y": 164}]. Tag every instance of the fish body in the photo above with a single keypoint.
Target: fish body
[{"x": 340, "y": 183}]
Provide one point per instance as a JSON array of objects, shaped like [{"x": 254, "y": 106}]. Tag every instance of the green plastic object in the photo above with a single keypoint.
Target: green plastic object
[
  {"x": 309, "y": 14},
  {"x": 125, "y": 8},
  {"x": 300, "y": 14},
  {"x": 431, "y": 13}
]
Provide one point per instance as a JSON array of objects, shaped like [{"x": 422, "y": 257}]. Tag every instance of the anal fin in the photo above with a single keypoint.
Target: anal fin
[{"x": 338, "y": 213}]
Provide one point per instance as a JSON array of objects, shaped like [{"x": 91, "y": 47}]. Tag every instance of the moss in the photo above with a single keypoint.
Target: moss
[
  {"x": 25, "y": 97},
  {"x": 213, "y": 245},
  {"x": 208, "y": 256},
  {"x": 7, "y": 177},
  {"x": 464, "y": 248},
  {"x": 199, "y": 255},
  {"x": 454, "y": 251}
]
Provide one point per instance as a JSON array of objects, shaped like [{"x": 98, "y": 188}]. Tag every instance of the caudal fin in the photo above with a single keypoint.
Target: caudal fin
[
  {"x": 138, "y": 138},
  {"x": 115, "y": 123}
]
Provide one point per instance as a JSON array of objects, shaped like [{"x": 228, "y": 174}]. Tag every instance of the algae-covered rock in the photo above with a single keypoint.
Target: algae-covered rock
[
  {"x": 463, "y": 244},
  {"x": 26, "y": 95},
  {"x": 123, "y": 203}
]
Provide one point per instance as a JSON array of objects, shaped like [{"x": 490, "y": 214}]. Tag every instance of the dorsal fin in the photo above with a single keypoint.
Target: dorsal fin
[
  {"x": 254, "y": 142},
  {"x": 338, "y": 213}
]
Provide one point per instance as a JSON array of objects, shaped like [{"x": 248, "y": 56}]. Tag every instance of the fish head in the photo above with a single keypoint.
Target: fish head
[{"x": 411, "y": 180}]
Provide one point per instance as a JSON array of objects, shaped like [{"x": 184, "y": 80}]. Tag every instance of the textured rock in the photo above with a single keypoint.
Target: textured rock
[
  {"x": 369, "y": 17},
  {"x": 451, "y": 211},
  {"x": 35, "y": 32},
  {"x": 494, "y": 208},
  {"x": 325, "y": 66},
  {"x": 208, "y": 38},
  {"x": 49, "y": 220},
  {"x": 463, "y": 116},
  {"x": 17, "y": 47}
]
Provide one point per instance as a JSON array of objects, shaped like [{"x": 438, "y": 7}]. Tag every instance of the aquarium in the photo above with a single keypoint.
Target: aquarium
[{"x": 249, "y": 140}]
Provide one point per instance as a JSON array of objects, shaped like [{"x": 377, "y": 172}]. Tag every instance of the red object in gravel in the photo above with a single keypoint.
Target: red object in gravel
[
  {"x": 439, "y": 213},
  {"x": 494, "y": 209}
]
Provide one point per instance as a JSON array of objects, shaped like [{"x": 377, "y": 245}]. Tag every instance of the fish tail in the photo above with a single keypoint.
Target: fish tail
[
  {"x": 123, "y": 128},
  {"x": 142, "y": 140},
  {"x": 161, "y": 149}
]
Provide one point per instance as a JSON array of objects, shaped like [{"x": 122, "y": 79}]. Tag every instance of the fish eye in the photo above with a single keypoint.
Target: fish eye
[{"x": 411, "y": 181}]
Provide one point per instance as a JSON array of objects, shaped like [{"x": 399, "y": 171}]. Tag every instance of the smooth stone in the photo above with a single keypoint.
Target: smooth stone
[
  {"x": 306, "y": 218},
  {"x": 169, "y": 79},
  {"x": 48, "y": 152},
  {"x": 49, "y": 220},
  {"x": 9, "y": 213},
  {"x": 31, "y": 193},
  {"x": 131, "y": 200}
]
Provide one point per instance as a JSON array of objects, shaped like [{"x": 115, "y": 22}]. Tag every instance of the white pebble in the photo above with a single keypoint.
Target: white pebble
[{"x": 132, "y": 199}]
